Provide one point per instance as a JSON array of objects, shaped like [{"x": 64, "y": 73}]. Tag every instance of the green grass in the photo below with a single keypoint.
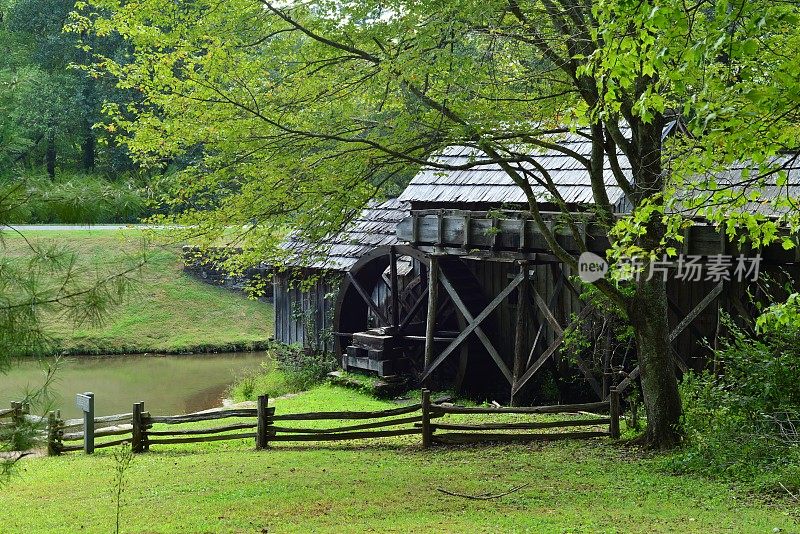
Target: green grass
[
  {"x": 168, "y": 311},
  {"x": 386, "y": 486}
]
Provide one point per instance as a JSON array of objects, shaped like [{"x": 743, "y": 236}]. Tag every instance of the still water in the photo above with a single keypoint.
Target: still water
[{"x": 167, "y": 384}]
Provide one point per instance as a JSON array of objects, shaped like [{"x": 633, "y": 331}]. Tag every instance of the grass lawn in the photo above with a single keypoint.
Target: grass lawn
[
  {"x": 386, "y": 487},
  {"x": 167, "y": 312}
]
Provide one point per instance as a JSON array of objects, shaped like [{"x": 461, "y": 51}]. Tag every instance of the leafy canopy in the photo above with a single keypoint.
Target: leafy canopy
[{"x": 298, "y": 112}]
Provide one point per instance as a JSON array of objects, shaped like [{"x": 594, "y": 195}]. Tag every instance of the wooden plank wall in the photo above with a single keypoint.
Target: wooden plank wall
[{"x": 303, "y": 315}]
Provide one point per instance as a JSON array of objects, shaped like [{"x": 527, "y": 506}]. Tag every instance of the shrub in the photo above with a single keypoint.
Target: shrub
[
  {"x": 75, "y": 199},
  {"x": 742, "y": 424}
]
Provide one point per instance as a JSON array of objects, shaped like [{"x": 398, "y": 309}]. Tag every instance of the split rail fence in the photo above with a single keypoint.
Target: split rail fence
[{"x": 142, "y": 430}]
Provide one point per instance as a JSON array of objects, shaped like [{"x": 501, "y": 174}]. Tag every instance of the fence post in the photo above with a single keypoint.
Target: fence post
[
  {"x": 88, "y": 424},
  {"x": 53, "y": 434},
  {"x": 427, "y": 435},
  {"x": 16, "y": 414},
  {"x": 613, "y": 427},
  {"x": 137, "y": 441},
  {"x": 262, "y": 428},
  {"x": 146, "y": 425}
]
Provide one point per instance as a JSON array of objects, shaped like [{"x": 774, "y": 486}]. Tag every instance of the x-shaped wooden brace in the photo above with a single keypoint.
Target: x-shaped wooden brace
[
  {"x": 368, "y": 299},
  {"x": 414, "y": 309},
  {"x": 550, "y": 303},
  {"x": 560, "y": 333},
  {"x": 680, "y": 327},
  {"x": 474, "y": 325}
]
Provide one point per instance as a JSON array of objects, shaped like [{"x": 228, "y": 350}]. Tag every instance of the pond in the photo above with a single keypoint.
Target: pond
[{"x": 168, "y": 384}]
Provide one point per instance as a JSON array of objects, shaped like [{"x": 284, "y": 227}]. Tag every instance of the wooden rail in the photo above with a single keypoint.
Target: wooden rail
[
  {"x": 136, "y": 427},
  {"x": 458, "y": 433}
]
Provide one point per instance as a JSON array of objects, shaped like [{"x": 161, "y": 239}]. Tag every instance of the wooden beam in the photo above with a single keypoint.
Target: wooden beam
[
  {"x": 548, "y": 315},
  {"x": 680, "y": 313},
  {"x": 367, "y": 298},
  {"x": 433, "y": 304},
  {"x": 678, "y": 360},
  {"x": 695, "y": 312},
  {"x": 556, "y": 294},
  {"x": 394, "y": 288},
  {"x": 549, "y": 352},
  {"x": 474, "y": 325},
  {"x": 414, "y": 309},
  {"x": 622, "y": 386},
  {"x": 587, "y": 372},
  {"x": 519, "y": 337},
  {"x": 737, "y": 303}
]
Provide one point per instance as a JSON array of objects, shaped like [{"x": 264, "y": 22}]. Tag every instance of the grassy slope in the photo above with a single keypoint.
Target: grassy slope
[
  {"x": 167, "y": 312},
  {"x": 228, "y": 487}
]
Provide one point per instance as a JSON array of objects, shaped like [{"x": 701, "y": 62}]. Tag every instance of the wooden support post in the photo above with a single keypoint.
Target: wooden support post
[
  {"x": 433, "y": 304},
  {"x": 137, "y": 440},
  {"x": 613, "y": 427},
  {"x": 394, "y": 289},
  {"x": 262, "y": 428},
  {"x": 427, "y": 434},
  {"x": 519, "y": 339},
  {"x": 53, "y": 435}
]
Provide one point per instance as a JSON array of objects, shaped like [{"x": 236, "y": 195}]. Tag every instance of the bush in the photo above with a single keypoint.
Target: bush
[
  {"x": 289, "y": 370},
  {"x": 742, "y": 424},
  {"x": 75, "y": 199}
]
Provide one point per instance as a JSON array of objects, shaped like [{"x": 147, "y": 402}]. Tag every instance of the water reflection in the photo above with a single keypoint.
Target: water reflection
[{"x": 167, "y": 384}]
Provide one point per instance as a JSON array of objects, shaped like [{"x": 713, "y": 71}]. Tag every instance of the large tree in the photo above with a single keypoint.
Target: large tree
[{"x": 302, "y": 109}]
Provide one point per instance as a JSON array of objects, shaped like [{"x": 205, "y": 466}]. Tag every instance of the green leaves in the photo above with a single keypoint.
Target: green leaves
[{"x": 293, "y": 115}]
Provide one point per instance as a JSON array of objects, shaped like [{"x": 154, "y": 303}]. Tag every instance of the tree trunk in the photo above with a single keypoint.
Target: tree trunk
[
  {"x": 647, "y": 308},
  {"x": 88, "y": 150},
  {"x": 50, "y": 154},
  {"x": 648, "y": 315}
]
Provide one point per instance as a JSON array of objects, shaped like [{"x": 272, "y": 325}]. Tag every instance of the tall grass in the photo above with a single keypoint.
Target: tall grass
[{"x": 72, "y": 198}]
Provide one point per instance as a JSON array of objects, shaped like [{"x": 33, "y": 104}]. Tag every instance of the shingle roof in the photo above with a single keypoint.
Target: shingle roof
[
  {"x": 766, "y": 187},
  {"x": 488, "y": 183},
  {"x": 375, "y": 226}
]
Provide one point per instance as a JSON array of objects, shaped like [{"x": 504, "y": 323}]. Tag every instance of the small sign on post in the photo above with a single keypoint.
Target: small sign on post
[{"x": 85, "y": 402}]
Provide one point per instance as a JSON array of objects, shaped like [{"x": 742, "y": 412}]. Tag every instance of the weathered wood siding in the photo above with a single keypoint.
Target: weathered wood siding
[
  {"x": 501, "y": 324},
  {"x": 304, "y": 311}
]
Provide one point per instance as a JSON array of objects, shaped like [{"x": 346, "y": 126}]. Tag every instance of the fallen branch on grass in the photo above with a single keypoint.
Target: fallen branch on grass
[
  {"x": 482, "y": 496},
  {"x": 792, "y": 495}
]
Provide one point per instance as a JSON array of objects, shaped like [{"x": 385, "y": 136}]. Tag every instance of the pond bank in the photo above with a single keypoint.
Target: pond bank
[
  {"x": 167, "y": 311},
  {"x": 254, "y": 346}
]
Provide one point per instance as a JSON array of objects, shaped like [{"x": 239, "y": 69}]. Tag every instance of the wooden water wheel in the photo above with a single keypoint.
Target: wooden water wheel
[{"x": 381, "y": 309}]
